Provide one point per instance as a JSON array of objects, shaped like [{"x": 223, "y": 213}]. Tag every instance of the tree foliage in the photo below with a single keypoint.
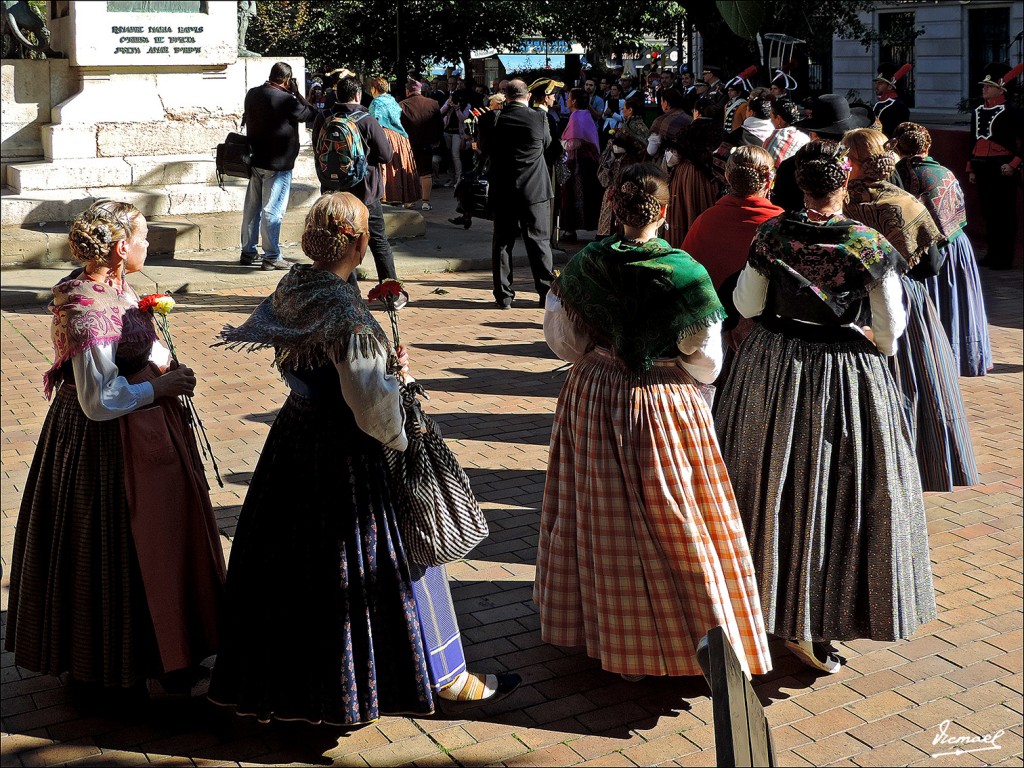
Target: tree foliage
[{"x": 391, "y": 36}]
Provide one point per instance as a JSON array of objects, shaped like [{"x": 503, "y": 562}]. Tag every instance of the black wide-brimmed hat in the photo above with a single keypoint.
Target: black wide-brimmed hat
[{"x": 831, "y": 116}]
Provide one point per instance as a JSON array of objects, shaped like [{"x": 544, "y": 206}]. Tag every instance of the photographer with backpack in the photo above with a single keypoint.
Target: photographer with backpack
[{"x": 349, "y": 146}]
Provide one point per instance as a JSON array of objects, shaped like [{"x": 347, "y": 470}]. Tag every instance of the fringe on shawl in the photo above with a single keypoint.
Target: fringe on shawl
[{"x": 307, "y": 356}]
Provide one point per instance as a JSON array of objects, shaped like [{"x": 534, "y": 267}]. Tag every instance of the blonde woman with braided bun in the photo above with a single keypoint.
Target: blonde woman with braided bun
[
  {"x": 641, "y": 548},
  {"x": 924, "y": 367},
  {"x": 117, "y": 572},
  {"x": 357, "y": 630},
  {"x": 720, "y": 238}
]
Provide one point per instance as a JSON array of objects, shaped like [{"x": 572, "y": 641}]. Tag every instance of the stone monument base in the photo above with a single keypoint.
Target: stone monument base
[{"x": 67, "y": 143}]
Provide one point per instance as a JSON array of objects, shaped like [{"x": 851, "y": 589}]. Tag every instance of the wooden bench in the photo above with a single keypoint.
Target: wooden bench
[{"x": 743, "y": 737}]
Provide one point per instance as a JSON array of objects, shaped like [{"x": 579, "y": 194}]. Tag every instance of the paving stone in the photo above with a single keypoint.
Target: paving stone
[{"x": 490, "y": 378}]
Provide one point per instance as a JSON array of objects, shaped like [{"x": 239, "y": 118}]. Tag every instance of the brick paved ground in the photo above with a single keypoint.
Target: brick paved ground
[{"x": 493, "y": 385}]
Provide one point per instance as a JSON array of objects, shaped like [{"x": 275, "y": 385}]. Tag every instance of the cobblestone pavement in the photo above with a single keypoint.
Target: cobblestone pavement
[{"x": 493, "y": 385}]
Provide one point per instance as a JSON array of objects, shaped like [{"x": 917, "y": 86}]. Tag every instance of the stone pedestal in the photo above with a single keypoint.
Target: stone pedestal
[{"x": 134, "y": 112}]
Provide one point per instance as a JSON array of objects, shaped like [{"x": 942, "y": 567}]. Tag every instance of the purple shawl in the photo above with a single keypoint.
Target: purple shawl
[{"x": 581, "y": 126}]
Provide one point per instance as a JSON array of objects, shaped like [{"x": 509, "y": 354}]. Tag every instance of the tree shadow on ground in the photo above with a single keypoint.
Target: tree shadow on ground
[
  {"x": 499, "y": 381},
  {"x": 527, "y": 428},
  {"x": 185, "y": 303},
  {"x": 517, "y": 487},
  {"x": 532, "y": 349}
]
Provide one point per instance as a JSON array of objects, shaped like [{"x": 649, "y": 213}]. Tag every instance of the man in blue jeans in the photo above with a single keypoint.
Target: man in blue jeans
[
  {"x": 273, "y": 113},
  {"x": 371, "y": 189}
]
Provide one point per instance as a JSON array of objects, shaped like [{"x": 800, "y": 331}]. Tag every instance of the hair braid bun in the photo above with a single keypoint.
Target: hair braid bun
[
  {"x": 821, "y": 168},
  {"x": 879, "y": 167},
  {"x": 94, "y": 232},
  {"x": 325, "y": 244},
  {"x": 910, "y": 139},
  {"x": 634, "y": 206},
  {"x": 748, "y": 169}
]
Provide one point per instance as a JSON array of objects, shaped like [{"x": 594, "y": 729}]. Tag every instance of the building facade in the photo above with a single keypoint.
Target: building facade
[{"x": 949, "y": 42}]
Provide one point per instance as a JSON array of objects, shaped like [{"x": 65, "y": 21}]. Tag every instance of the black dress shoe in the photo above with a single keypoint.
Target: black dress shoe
[
  {"x": 503, "y": 305},
  {"x": 507, "y": 683}
]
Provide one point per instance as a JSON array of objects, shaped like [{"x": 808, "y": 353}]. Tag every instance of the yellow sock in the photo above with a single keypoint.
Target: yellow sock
[{"x": 470, "y": 686}]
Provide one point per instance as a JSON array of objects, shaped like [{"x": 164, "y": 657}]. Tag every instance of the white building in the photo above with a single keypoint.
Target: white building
[{"x": 950, "y": 43}]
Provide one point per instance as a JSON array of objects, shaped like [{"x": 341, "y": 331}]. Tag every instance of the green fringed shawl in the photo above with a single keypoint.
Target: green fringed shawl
[
  {"x": 639, "y": 300},
  {"x": 312, "y": 319}
]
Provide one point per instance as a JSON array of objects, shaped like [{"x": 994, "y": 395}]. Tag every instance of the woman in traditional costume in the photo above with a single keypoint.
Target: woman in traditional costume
[
  {"x": 627, "y": 147},
  {"x": 641, "y": 549},
  {"x": 720, "y": 238},
  {"x": 117, "y": 573},
  {"x": 813, "y": 433},
  {"x": 956, "y": 290},
  {"x": 357, "y": 629},
  {"x": 924, "y": 367},
  {"x": 581, "y": 194},
  {"x": 694, "y": 188},
  {"x": 401, "y": 180}
]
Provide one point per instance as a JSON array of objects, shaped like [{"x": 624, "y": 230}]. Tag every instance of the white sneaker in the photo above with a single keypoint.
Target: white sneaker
[
  {"x": 426, "y": 207},
  {"x": 820, "y": 656},
  {"x": 401, "y": 300}
]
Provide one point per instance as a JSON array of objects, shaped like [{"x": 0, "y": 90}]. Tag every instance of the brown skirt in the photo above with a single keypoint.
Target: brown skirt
[
  {"x": 401, "y": 182},
  {"x": 692, "y": 192},
  {"x": 79, "y": 602}
]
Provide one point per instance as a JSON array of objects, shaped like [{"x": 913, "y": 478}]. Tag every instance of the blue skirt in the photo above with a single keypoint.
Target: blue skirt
[
  {"x": 925, "y": 372},
  {"x": 958, "y": 298}
]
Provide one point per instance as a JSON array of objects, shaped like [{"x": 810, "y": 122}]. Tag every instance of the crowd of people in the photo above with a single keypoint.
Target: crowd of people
[{"x": 765, "y": 340}]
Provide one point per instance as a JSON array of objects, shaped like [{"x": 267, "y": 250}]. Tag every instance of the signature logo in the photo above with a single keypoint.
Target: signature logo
[{"x": 966, "y": 744}]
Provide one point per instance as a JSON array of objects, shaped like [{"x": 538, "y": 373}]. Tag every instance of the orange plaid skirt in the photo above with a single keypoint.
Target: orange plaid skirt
[{"x": 642, "y": 549}]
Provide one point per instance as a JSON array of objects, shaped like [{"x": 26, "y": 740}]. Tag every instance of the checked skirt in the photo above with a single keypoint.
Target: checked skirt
[{"x": 642, "y": 549}]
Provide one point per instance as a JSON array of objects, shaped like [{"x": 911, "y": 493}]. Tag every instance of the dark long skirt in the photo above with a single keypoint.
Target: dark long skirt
[
  {"x": 960, "y": 302},
  {"x": 322, "y": 621},
  {"x": 821, "y": 460},
  {"x": 581, "y": 195},
  {"x": 77, "y": 601},
  {"x": 926, "y": 374}
]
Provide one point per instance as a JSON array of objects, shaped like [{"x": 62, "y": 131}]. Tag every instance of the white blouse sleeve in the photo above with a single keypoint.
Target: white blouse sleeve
[
  {"x": 702, "y": 353},
  {"x": 374, "y": 396},
  {"x": 888, "y": 317},
  {"x": 102, "y": 392},
  {"x": 751, "y": 293},
  {"x": 562, "y": 335},
  {"x": 160, "y": 355}
]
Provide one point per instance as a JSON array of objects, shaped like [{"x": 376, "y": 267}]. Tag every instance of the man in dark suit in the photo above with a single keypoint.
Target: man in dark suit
[{"x": 515, "y": 144}]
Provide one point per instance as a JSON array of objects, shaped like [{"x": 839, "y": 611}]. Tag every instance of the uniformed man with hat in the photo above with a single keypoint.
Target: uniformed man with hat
[
  {"x": 783, "y": 85},
  {"x": 889, "y": 108},
  {"x": 997, "y": 128},
  {"x": 712, "y": 76},
  {"x": 543, "y": 93}
]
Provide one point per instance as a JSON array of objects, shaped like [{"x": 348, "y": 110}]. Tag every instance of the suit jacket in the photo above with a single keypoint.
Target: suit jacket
[{"x": 515, "y": 144}]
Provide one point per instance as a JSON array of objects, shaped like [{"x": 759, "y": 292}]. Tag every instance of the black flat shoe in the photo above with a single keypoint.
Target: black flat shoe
[{"x": 507, "y": 683}]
